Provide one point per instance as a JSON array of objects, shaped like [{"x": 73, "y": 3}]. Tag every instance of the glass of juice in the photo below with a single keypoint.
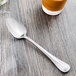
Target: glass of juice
[
  {"x": 53, "y": 7},
  {"x": 3, "y": 2}
]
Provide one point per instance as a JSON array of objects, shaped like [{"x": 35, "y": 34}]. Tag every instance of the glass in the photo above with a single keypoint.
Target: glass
[
  {"x": 53, "y": 7},
  {"x": 3, "y": 2}
]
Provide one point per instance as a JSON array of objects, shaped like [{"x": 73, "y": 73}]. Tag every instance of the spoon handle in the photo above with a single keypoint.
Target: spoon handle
[{"x": 62, "y": 66}]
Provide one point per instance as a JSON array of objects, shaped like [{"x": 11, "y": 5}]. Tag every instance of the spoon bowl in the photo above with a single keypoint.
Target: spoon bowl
[{"x": 17, "y": 29}]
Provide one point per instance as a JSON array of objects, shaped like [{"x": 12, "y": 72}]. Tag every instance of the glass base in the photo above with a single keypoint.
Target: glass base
[
  {"x": 50, "y": 12},
  {"x": 3, "y": 2}
]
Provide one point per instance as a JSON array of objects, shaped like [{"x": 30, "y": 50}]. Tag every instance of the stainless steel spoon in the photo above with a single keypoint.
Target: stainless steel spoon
[{"x": 19, "y": 31}]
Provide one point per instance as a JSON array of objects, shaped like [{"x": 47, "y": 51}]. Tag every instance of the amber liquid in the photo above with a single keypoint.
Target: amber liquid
[{"x": 54, "y": 5}]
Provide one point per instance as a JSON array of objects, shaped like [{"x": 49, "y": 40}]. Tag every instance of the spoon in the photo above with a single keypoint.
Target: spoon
[{"x": 18, "y": 30}]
